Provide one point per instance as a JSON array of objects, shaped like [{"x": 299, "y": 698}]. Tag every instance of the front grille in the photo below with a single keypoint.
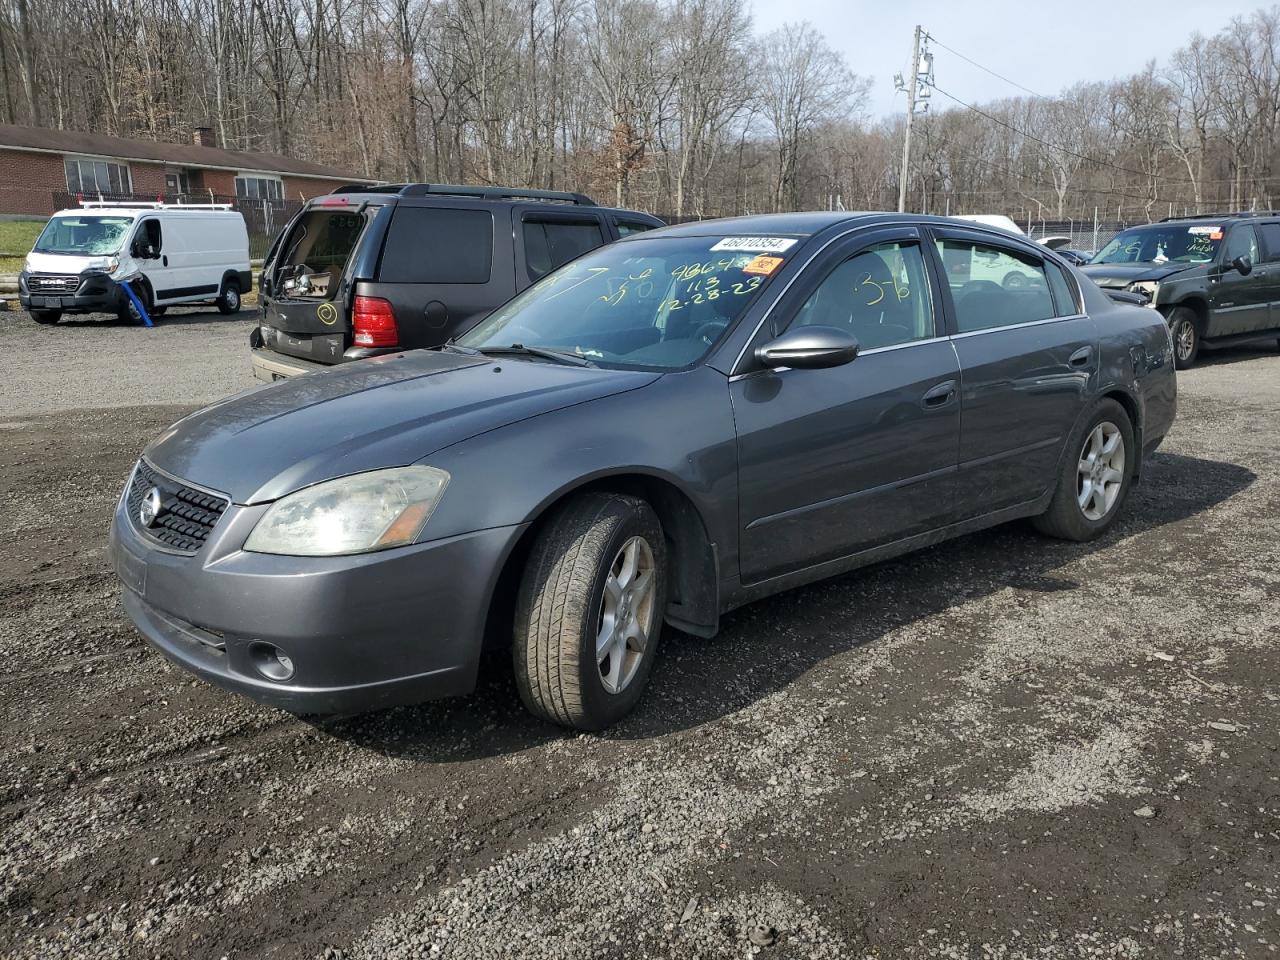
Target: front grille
[
  {"x": 45, "y": 284},
  {"x": 186, "y": 517}
]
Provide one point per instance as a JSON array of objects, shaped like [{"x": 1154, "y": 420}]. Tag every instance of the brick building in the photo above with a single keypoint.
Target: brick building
[{"x": 41, "y": 168}]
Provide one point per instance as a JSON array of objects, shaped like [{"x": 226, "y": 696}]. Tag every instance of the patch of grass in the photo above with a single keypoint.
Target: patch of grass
[
  {"x": 11, "y": 264},
  {"x": 16, "y": 240}
]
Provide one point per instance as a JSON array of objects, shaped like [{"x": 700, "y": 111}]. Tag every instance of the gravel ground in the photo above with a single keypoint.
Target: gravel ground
[{"x": 1004, "y": 746}]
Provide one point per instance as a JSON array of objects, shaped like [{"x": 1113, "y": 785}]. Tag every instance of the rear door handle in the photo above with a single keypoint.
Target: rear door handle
[
  {"x": 165, "y": 260},
  {"x": 940, "y": 395},
  {"x": 1081, "y": 357}
]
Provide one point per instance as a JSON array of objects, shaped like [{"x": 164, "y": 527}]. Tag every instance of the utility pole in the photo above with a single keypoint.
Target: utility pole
[{"x": 917, "y": 92}]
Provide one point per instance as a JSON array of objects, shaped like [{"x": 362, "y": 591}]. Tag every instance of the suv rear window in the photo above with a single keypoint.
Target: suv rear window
[
  {"x": 552, "y": 243},
  {"x": 438, "y": 245},
  {"x": 314, "y": 255}
]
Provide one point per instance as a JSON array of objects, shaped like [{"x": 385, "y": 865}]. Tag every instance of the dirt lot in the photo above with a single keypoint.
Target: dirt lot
[{"x": 1001, "y": 747}]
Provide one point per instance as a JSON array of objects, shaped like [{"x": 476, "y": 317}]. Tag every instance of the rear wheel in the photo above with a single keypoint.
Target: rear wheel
[
  {"x": 1184, "y": 326},
  {"x": 1100, "y": 464},
  {"x": 229, "y": 297},
  {"x": 589, "y": 611},
  {"x": 46, "y": 316}
]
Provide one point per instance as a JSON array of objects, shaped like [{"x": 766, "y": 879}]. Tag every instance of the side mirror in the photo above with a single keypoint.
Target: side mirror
[
  {"x": 809, "y": 348},
  {"x": 1243, "y": 264}
]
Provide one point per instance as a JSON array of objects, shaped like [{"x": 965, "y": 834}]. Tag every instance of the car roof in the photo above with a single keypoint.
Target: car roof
[{"x": 811, "y": 223}]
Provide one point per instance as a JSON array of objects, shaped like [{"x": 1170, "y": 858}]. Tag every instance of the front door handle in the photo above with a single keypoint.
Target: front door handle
[
  {"x": 940, "y": 395},
  {"x": 1081, "y": 357}
]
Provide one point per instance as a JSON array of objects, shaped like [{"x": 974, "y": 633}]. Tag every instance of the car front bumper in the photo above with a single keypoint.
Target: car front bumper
[
  {"x": 96, "y": 293},
  {"x": 362, "y": 632}
]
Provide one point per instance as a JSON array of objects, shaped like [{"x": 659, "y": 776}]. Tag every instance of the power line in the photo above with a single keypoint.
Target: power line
[
  {"x": 999, "y": 76},
  {"x": 1057, "y": 146}
]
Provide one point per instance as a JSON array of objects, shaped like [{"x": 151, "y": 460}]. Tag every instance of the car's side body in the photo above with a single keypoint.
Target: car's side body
[{"x": 763, "y": 478}]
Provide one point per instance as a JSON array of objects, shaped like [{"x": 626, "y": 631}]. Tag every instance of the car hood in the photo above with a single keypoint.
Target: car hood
[
  {"x": 1122, "y": 274},
  {"x": 384, "y": 412},
  {"x": 65, "y": 262}
]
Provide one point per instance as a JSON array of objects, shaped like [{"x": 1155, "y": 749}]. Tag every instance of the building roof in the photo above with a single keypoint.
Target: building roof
[{"x": 48, "y": 140}]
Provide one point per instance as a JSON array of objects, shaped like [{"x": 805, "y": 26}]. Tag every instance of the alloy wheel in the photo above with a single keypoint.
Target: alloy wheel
[
  {"x": 1185, "y": 339},
  {"x": 626, "y": 615},
  {"x": 1100, "y": 470}
]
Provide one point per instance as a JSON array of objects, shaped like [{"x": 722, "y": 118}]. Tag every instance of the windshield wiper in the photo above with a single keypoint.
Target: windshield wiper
[{"x": 520, "y": 350}]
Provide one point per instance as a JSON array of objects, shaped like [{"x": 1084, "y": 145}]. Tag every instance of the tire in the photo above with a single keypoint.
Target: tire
[
  {"x": 128, "y": 313},
  {"x": 46, "y": 317},
  {"x": 1013, "y": 280},
  {"x": 563, "y": 607},
  {"x": 1067, "y": 518},
  {"x": 229, "y": 296},
  {"x": 1184, "y": 327}
]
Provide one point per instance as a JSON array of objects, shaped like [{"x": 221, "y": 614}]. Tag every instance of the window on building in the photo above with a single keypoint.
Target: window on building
[
  {"x": 259, "y": 188},
  {"x": 97, "y": 176}
]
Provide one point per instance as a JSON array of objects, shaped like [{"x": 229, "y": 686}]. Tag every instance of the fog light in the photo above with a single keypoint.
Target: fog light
[{"x": 270, "y": 661}]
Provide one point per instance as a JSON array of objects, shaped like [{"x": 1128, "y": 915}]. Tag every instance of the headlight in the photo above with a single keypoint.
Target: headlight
[
  {"x": 356, "y": 514},
  {"x": 26, "y": 266},
  {"x": 110, "y": 265},
  {"x": 1148, "y": 288}
]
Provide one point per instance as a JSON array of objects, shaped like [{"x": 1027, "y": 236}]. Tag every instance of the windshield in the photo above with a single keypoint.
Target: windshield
[
  {"x": 85, "y": 236},
  {"x": 1163, "y": 243},
  {"x": 656, "y": 303}
]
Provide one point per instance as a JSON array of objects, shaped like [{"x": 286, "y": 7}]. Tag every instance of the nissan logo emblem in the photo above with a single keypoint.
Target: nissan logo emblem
[{"x": 150, "y": 508}]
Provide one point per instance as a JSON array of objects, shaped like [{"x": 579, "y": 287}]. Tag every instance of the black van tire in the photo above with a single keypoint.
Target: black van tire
[
  {"x": 561, "y": 606},
  {"x": 1184, "y": 327},
  {"x": 46, "y": 317},
  {"x": 1065, "y": 519},
  {"x": 229, "y": 296}
]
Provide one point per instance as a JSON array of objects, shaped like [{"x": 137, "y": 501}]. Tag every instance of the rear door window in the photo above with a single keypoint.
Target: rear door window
[
  {"x": 1271, "y": 240},
  {"x": 551, "y": 243},
  {"x": 627, "y": 227},
  {"x": 438, "y": 245},
  {"x": 995, "y": 286}
]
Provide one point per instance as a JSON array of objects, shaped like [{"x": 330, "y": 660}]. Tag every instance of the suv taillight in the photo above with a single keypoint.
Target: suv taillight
[{"x": 374, "y": 323}]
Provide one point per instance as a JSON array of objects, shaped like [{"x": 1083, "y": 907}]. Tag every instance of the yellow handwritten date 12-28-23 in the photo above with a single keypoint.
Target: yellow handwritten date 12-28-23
[{"x": 702, "y": 291}]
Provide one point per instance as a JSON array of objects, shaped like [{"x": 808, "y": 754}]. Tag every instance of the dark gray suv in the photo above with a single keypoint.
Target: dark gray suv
[
  {"x": 662, "y": 430},
  {"x": 367, "y": 271},
  {"x": 1215, "y": 277}
]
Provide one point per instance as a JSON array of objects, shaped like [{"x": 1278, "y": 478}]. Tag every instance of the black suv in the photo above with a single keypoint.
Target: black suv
[
  {"x": 1214, "y": 277},
  {"x": 366, "y": 270}
]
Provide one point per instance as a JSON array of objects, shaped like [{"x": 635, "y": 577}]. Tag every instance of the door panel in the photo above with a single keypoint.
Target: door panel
[
  {"x": 1239, "y": 303},
  {"x": 1024, "y": 388},
  {"x": 836, "y": 461}
]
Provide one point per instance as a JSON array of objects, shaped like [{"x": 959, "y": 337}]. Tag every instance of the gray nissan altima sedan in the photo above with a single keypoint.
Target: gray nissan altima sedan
[{"x": 660, "y": 431}]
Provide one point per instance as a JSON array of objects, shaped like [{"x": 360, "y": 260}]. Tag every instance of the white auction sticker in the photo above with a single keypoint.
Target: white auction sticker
[
  {"x": 1205, "y": 230},
  {"x": 756, "y": 244}
]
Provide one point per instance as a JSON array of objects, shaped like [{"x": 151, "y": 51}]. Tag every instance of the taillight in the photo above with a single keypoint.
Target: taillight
[{"x": 374, "y": 323}]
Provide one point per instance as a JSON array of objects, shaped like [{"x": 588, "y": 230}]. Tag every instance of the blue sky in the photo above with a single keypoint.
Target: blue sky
[{"x": 1043, "y": 46}]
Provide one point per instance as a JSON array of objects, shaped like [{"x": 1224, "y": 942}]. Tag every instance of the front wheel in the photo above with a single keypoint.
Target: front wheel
[
  {"x": 46, "y": 317},
  {"x": 589, "y": 611},
  {"x": 229, "y": 297},
  {"x": 1186, "y": 337},
  {"x": 1100, "y": 463}
]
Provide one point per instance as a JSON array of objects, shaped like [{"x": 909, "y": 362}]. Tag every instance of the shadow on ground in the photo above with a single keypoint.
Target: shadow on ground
[{"x": 765, "y": 646}]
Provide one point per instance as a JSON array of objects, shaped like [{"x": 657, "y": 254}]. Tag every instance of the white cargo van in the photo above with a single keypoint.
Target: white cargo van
[{"x": 171, "y": 254}]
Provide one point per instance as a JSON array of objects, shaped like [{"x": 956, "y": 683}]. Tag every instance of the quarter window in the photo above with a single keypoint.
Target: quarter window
[
  {"x": 438, "y": 245},
  {"x": 1242, "y": 241},
  {"x": 880, "y": 295},
  {"x": 993, "y": 286},
  {"x": 259, "y": 188},
  {"x": 1064, "y": 291},
  {"x": 552, "y": 243},
  {"x": 97, "y": 176}
]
